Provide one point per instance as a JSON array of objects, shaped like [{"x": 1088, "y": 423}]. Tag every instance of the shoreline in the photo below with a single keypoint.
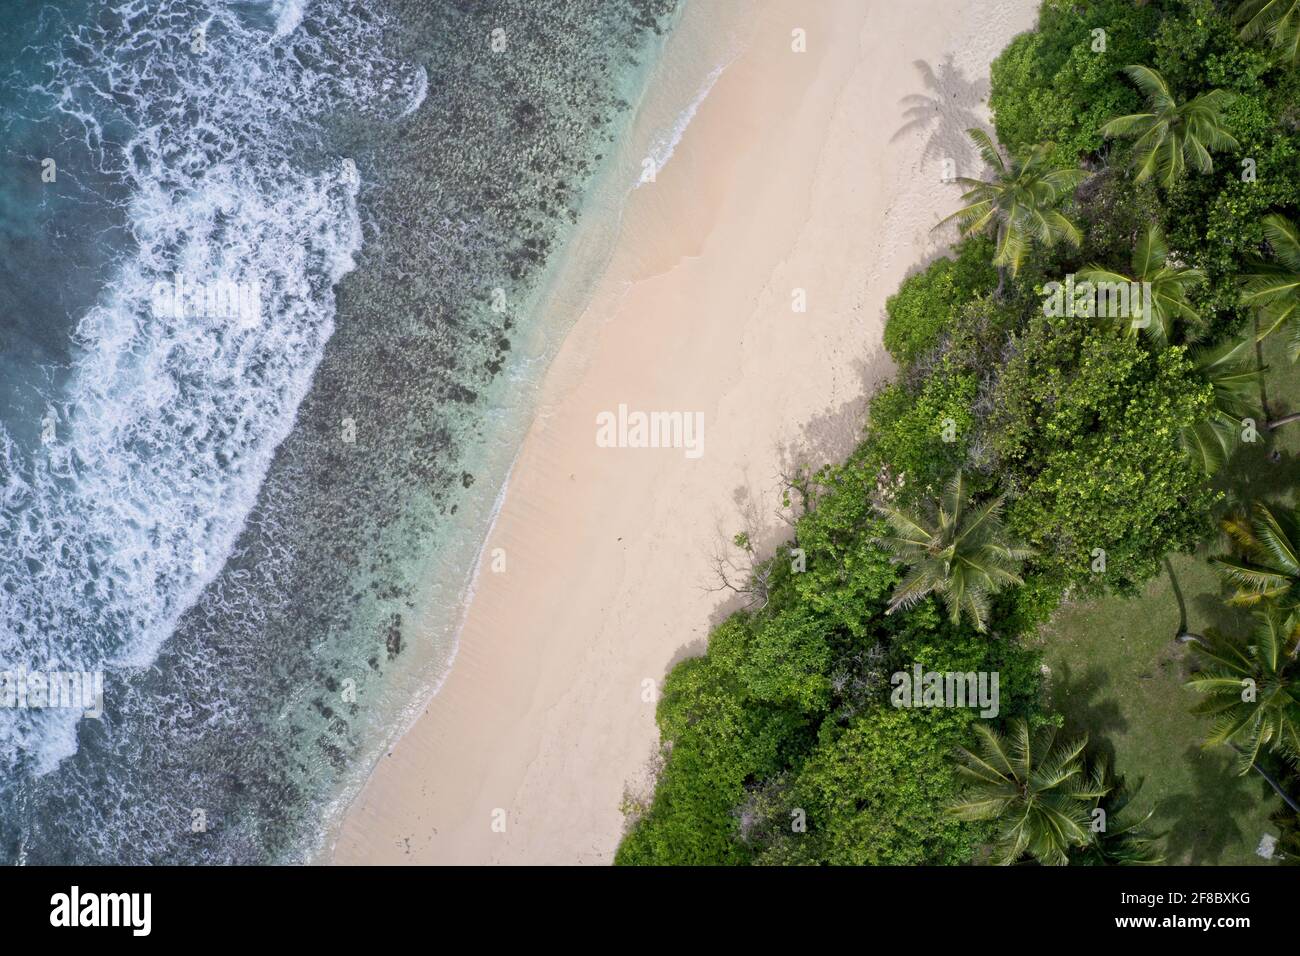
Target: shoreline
[
  {"x": 449, "y": 569},
  {"x": 778, "y": 183}
]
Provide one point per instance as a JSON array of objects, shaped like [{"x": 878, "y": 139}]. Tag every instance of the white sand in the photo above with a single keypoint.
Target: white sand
[{"x": 819, "y": 171}]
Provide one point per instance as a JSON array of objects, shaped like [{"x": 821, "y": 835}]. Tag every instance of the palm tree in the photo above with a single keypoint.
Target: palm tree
[
  {"x": 1252, "y": 689},
  {"x": 1228, "y": 370},
  {"x": 1274, "y": 287},
  {"x": 1122, "y": 842},
  {"x": 1289, "y": 800},
  {"x": 1169, "y": 285},
  {"x": 1018, "y": 204},
  {"x": 1034, "y": 786},
  {"x": 1266, "y": 566},
  {"x": 1279, "y": 20},
  {"x": 1172, "y": 136},
  {"x": 958, "y": 552}
]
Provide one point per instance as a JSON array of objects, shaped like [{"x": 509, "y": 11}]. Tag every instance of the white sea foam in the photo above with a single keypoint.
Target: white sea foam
[
  {"x": 288, "y": 14},
  {"x": 168, "y": 423},
  {"x": 421, "y": 91},
  {"x": 661, "y": 151}
]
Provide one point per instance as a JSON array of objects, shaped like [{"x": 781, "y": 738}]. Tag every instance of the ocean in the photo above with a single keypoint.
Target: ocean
[{"x": 269, "y": 338}]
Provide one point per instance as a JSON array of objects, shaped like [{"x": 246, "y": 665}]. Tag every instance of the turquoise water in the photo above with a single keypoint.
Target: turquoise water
[{"x": 237, "y": 518}]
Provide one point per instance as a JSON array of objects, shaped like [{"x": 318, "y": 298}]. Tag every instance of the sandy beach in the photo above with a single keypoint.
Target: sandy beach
[{"x": 810, "y": 178}]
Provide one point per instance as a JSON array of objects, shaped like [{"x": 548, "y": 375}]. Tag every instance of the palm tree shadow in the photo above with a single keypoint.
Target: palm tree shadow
[
  {"x": 949, "y": 108},
  {"x": 1082, "y": 700},
  {"x": 1202, "y": 824},
  {"x": 1217, "y": 614},
  {"x": 1178, "y": 595}
]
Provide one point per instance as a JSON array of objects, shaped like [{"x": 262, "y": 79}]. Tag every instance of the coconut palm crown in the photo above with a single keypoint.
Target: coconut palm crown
[
  {"x": 959, "y": 552},
  {"x": 1230, "y": 372},
  {"x": 1035, "y": 786},
  {"x": 1252, "y": 689},
  {"x": 1273, "y": 286},
  {"x": 1172, "y": 136},
  {"x": 1018, "y": 204},
  {"x": 1169, "y": 284},
  {"x": 1265, "y": 565},
  {"x": 1277, "y": 21}
]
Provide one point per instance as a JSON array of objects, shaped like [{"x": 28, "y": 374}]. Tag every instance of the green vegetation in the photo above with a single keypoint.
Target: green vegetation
[
  {"x": 1087, "y": 430},
  {"x": 1118, "y": 675},
  {"x": 1146, "y": 143},
  {"x": 1250, "y": 689},
  {"x": 928, "y": 302},
  {"x": 1266, "y": 567},
  {"x": 1125, "y": 841},
  {"x": 959, "y": 553},
  {"x": 1170, "y": 285},
  {"x": 1274, "y": 287},
  {"x": 1018, "y": 204},
  {"x": 1234, "y": 383},
  {"x": 1277, "y": 21},
  {"x": 1172, "y": 136},
  {"x": 1035, "y": 786}
]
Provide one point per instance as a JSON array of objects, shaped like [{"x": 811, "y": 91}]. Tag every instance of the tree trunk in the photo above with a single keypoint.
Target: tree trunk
[
  {"x": 1002, "y": 269},
  {"x": 1277, "y": 788},
  {"x": 1284, "y": 420}
]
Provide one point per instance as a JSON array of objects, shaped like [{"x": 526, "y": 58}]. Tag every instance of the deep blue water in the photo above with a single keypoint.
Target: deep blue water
[{"x": 56, "y": 238}]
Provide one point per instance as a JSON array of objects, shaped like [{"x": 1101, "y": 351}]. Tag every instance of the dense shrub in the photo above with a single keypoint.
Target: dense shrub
[
  {"x": 874, "y": 793},
  {"x": 1051, "y": 86},
  {"x": 1089, "y": 426},
  {"x": 720, "y": 737},
  {"x": 927, "y": 302},
  {"x": 925, "y": 436}
]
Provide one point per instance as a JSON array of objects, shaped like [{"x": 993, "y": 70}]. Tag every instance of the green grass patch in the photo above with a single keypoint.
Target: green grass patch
[{"x": 1118, "y": 673}]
